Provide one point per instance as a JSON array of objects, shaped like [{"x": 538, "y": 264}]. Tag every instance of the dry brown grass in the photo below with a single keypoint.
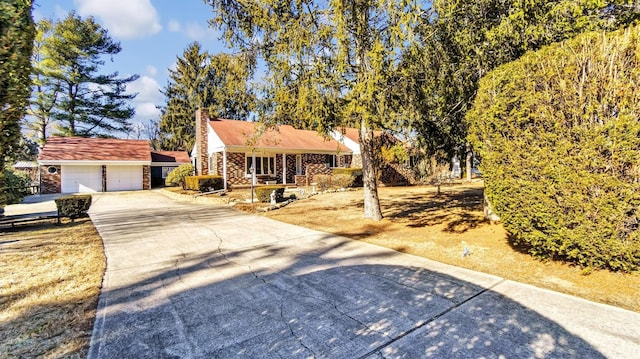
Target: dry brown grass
[
  {"x": 439, "y": 227},
  {"x": 50, "y": 279}
]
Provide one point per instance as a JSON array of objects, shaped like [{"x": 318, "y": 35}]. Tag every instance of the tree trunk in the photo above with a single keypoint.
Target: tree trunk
[
  {"x": 489, "y": 214},
  {"x": 369, "y": 177},
  {"x": 469, "y": 157}
]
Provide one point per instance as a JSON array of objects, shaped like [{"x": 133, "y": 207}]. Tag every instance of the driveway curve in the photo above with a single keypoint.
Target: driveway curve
[{"x": 188, "y": 280}]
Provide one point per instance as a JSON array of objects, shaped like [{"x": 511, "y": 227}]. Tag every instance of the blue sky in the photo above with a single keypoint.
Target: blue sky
[{"x": 152, "y": 34}]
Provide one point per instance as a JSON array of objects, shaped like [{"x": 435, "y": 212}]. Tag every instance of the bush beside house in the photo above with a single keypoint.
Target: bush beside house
[
  {"x": 204, "y": 183},
  {"x": 559, "y": 136},
  {"x": 178, "y": 175}
]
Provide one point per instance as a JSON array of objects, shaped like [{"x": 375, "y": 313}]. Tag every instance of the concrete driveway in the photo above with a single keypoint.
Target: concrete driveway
[{"x": 195, "y": 281}]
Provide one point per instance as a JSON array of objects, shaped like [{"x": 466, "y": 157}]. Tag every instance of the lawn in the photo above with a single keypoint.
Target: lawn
[
  {"x": 440, "y": 227},
  {"x": 50, "y": 279}
]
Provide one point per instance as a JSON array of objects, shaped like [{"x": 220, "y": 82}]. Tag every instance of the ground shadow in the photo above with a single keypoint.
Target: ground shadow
[
  {"x": 299, "y": 296},
  {"x": 460, "y": 211}
]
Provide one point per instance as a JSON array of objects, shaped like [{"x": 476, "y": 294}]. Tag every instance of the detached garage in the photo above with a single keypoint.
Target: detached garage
[{"x": 76, "y": 165}]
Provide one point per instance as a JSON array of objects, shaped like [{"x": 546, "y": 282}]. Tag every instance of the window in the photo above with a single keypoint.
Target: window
[
  {"x": 265, "y": 165},
  {"x": 166, "y": 171},
  {"x": 333, "y": 161}
]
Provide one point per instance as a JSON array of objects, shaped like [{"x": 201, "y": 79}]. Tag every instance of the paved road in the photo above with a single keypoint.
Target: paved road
[{"x": 194, "y": 281}]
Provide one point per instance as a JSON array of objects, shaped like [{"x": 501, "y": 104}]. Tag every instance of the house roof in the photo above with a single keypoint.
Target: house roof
[
  {"x": 170, "y": 156},
  {"x": 243, "y": 134},
  {"x": 354, "y": 134},
  {"x": 94, "y": 149}
]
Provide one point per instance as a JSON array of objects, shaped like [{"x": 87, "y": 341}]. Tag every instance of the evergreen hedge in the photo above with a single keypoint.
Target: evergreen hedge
[
  {"x": 558, "y": 132},
  {"x": 73, "y": 206},
  {"x": 204, "y": 183}
]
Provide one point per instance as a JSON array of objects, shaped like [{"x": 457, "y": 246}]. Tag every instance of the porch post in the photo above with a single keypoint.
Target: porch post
[
  {"x": 224, "y": 167},
  {"x": 253, "y": 165},
  {"x": 284, "y": 168}
]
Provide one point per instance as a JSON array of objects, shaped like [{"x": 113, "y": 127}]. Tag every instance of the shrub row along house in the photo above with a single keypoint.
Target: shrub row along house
[{"x": 76, "y": 164}]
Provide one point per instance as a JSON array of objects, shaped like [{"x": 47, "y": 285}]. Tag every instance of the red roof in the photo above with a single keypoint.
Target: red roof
[
  {"x": 170, "y": 156},
  {"x": 94, "y": 149},
  {"x": 241, "y": 133},
  {"x": 354, "y": 134}
]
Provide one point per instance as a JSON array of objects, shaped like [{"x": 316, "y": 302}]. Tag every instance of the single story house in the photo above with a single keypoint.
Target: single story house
[
  {"x": 77, "y": 164},
  {"x": 245, "y": 152}
]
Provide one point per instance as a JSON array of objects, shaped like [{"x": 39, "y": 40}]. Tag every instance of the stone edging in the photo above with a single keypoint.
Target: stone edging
[{"x": 201, "y": 199}]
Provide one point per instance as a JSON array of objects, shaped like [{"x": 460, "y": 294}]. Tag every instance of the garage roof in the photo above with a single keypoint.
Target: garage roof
[
  {"x": 170, "y": 156},
  {"x": 94, "y": 149}
]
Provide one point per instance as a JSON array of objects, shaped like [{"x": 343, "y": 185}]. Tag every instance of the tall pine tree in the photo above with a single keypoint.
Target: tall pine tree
[
  {"x": 46, "y": 85},
  {"x": 16, "y": 43},
  {"x": 83, "y": 101},
  {"x": 218, "y": 82}
]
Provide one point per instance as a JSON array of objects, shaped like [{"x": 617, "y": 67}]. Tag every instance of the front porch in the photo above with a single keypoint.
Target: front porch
[{"x": 240, "y": 169}]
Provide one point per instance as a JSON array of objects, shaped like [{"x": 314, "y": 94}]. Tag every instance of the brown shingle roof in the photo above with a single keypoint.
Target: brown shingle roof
[
  {"x": 354, "y": 134},
  {"x": 170, "y": 156},
  {"x": 94, "y": 149},
  {"x": 242, "y": 133}
]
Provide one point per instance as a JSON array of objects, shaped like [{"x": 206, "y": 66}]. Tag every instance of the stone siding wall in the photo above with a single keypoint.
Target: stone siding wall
[
  {"x": 301, "y": 180},
  {"x": 291, "y": 169},
  {"x": 202, "y": 125},
  {"x": 146, "y": 177},
  {"x": 236, "y": 170},
  {"x": 317, "y": 169},
  {"x": 51, "y": 182}
]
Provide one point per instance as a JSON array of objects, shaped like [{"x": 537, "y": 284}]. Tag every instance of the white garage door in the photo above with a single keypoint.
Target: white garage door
[
  {"x": 81, "y": 179},
  {"x": 124, "y": 178}
]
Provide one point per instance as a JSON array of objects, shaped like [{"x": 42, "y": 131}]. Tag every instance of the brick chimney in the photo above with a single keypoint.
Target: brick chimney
[{"x": 202, "y": 125}]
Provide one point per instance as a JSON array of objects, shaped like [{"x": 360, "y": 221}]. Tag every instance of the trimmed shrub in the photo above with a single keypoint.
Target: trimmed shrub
[
  {"x": 342, "y": 181},
  {"x": 356, "y": 173},
  {"x": 177, "y": 176},
  {"x": 205, "y": 183},
  {"x": 73, "y": 206},
  {"x": 263, "y": 193},
  {"x": 559, "y": 136},
  {"x": 323, "y": 181}
]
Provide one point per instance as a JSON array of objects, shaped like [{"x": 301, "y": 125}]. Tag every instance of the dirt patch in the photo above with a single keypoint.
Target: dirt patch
[
  {"x": 50, "y": 279},
  {"x": 450, "y": 228}
]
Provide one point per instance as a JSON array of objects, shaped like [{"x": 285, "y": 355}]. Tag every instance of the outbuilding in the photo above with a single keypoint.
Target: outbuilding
[{"x": 77, "y": 164}]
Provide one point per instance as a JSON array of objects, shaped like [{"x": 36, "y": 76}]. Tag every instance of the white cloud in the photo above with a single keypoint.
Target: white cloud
[
  {"x": 152, "y": 70},
  {"x": 148, "y": 97},
  {"x": 174, "y": 25},
  {"x": 146, "y": 111},
  {"x": 196, "y": 31},
  {"x": 147, "y": 88},
  {"x": 125, "y": 19}
]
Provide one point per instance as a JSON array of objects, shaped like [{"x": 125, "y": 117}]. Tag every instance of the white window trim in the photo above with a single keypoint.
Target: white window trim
[{"x": 248, "y": 158}]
